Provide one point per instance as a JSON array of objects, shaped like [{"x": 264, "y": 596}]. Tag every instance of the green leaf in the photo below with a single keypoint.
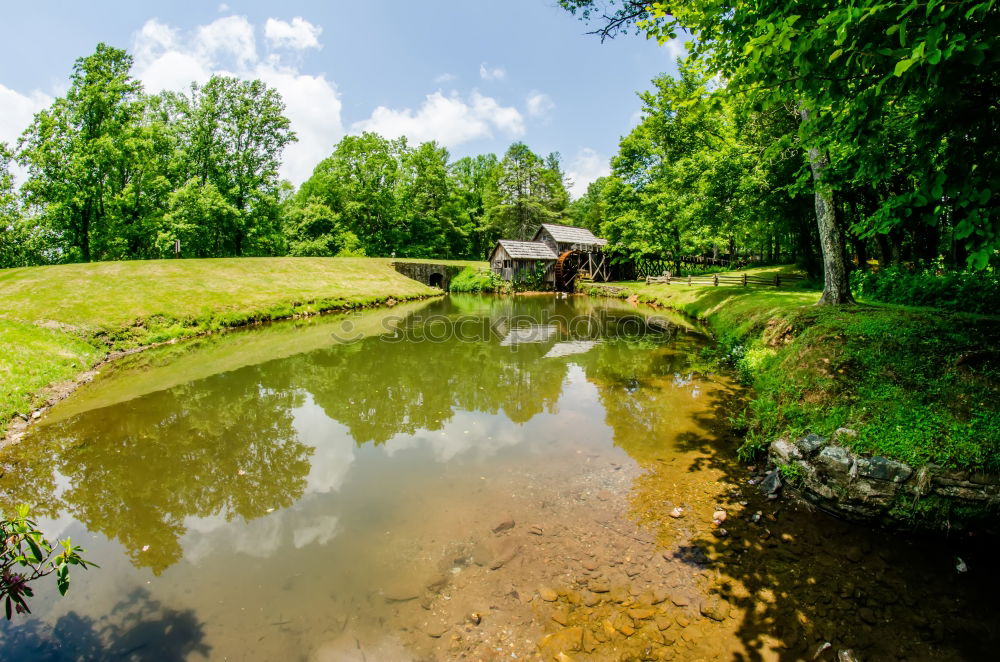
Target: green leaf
[
  {"x": 837, "y": 53},
  {"x": 903, "y": 65},
  {"x": 34, "y": 549}
]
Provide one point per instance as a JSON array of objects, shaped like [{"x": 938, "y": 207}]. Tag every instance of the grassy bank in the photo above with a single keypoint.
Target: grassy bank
[
  {"x": 60, "y": 320},
  {"x": 919, "y": 385}
]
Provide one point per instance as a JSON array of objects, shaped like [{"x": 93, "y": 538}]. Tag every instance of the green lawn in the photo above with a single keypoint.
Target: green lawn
[
  {"x": 919, "y": 384},
  {"x": 56, "y": 321}
]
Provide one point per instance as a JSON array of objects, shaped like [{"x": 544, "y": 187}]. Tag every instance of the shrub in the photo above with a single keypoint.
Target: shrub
[
  {"x": 965, "y": 291},
  {"x": 26, "y": 556},
  {"x": 477, "y": 281}
]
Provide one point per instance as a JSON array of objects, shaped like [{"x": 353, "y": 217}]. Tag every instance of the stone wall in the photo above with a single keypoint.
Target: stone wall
[
  {"x": 854, "y": 486},
  {"x": 428, "y": 273}
]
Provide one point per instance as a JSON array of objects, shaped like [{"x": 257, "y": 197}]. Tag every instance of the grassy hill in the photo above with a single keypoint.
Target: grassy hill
[{"x": 58, "y": 321}]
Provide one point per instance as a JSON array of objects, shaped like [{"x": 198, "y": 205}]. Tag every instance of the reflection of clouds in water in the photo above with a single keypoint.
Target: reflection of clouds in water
[
  {"x": 261, "y": 538},
  {"x": 482, "y": 436},
  {"x": 333, "y": 447},
  {"x": 465, "y": 432},
  {"x": 570, "y": 347},
  {"x": 684, "y": 381},
  {"x": 58, "y": 526},
  {"x": 331, "y": 461}
]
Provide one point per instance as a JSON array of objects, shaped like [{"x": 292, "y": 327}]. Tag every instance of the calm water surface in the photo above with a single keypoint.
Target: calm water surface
[{"x": 478, "y": 478}]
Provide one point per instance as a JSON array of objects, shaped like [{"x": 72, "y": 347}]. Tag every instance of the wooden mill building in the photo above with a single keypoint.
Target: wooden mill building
[{"x": 561, "y": 253}]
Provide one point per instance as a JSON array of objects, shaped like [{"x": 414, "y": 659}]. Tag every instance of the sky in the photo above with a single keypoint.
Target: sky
[{"x": 475, "y": 75}]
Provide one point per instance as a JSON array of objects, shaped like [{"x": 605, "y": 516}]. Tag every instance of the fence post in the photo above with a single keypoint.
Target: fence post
[
  {"x": 689, "y": 279},
  {"x": 668, "y": 278},
  {"x": 647, "y": 280},
  {"x": 744, "y": 279},
  {"x": 777, "y": 280},
  {"x": 715, "y": 279}
]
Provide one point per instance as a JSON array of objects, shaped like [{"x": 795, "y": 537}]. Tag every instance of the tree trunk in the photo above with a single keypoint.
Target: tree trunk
[{"x": 836, "y": 283}]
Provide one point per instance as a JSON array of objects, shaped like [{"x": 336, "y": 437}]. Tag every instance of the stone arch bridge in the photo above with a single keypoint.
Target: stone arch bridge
[{"x": 433, "y": 274}]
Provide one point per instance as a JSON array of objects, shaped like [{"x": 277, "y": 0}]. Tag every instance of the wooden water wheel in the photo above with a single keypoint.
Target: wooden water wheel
[{"x": 566, "y": 269}]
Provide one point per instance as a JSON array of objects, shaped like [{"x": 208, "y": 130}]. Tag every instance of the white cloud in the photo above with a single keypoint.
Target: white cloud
[
  {"x": 450, "y": 120},
  {"x": 676, "y": 47},
  {"x": 441, "y": 79},
  {"x": 167, "y": 59},
  {"x": 496, "y": 73},
  {"x": 232, "y": 36},
  {"x": 223, "y": 8},
  {"x": 16, "y": 112},
  {"x": 539, "y": 104},
  {"x": 300, "y": 34},
  {"x": 587, "y": 166}
]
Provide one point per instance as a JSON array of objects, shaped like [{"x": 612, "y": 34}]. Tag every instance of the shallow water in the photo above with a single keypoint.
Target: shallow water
[{"x": 473, "y": 477}]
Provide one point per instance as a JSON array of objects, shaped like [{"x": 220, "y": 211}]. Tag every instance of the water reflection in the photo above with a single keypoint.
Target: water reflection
[
  {"x": 246, "y": 442},
  {"x": 137, "y": 628}
]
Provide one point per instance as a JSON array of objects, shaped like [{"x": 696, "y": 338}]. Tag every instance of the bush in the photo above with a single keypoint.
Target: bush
[
  {"x": 969, "y": 292},
  {"x": 477, "y": 281}
]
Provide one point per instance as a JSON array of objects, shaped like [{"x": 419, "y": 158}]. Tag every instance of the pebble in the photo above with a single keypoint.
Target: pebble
[
  {"x": 505, "y": 525},
  {"x": 535, "y": 531},
  {"x": 435, "y": 630},
  {"x": 590, "y": 564},
  {"x": 570, "y": 639},
  {"x": 599, "y": 586},
  {"x": 719, "y": 516},
  {"x": 561, "y": 616},
  {"x": 680, "y": 599},
  {"x": 715, "y": 609},
  {"x": 677, "y": 513},
  {"x": 548, "y": 594}
]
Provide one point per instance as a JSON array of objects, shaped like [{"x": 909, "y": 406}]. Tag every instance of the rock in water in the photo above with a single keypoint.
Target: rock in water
[
  {"x": 715, "y": 609},
  {"x": 719, "y": 516},
  {"x": 505, "y": 525},
  {"x": 677, "y": 513},
  {"x": 771, "y": 483},
  {"x": 548, "y": 594}
]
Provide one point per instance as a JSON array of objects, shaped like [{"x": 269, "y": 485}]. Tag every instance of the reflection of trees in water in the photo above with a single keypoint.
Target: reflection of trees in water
[
  {"x": 224, "y": 445},
  {"x": 639, "y": 392},
  {"x": 379, "y": 389},
  {"x": 136, "y": 628}
]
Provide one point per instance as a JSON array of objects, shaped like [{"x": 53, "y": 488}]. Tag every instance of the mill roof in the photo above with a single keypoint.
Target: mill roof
[
  {"x": 567, "y": 234},
  {"x": 527, "y": 250}
]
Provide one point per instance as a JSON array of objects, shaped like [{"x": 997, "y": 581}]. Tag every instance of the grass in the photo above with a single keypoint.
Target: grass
[
  {"x": 920, "y": 385},
  {"x": 56, "y": 321}
]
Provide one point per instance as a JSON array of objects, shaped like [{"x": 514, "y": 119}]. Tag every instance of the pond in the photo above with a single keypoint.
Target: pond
[{"x": 470, "y": 477}]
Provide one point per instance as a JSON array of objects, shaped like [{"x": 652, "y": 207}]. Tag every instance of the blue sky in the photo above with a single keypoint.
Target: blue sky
[{"x": 473, "y": 74}]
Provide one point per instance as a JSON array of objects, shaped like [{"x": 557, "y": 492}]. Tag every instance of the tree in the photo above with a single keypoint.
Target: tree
[
  {"x": 855, "y": 72},
  {"x": 471, "y": 177},
  {"x": 83, "y": 154},
  {"x": 427, "y": 200},
  {"x": 526, "y": 193},
  {"x": 230, "y": 135}
]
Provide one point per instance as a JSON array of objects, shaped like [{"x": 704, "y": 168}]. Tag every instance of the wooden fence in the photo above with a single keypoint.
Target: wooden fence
[
  {"x": 646, "y": 267},
  {"x": 726, "y": 279}
]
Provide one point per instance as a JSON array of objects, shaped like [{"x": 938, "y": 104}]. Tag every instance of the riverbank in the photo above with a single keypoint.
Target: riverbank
[
  {"x": 59, "y": 322},
  {"x": 917, "y": 386}
]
